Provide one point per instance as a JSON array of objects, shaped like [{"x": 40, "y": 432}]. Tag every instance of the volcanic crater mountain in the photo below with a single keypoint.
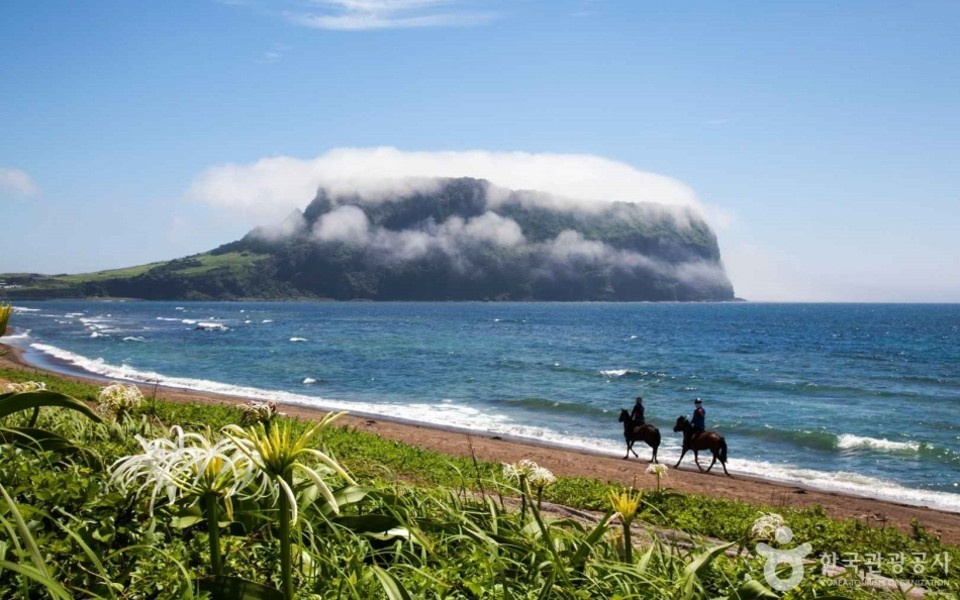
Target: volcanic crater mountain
[{"x": 454, "y": 239}]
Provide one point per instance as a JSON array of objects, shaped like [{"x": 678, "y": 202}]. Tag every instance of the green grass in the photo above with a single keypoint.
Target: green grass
[
  {"x": 103, "y": 275},
  {"x": 192, "y": 265},
  {"x": 474, "y": 547}
]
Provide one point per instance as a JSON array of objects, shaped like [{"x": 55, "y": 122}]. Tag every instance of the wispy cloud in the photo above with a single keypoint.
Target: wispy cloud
[
  {"x": 274, "y": 55},
  {"x": 16, "y": 182},
  {"x": 365, "y": 15}
]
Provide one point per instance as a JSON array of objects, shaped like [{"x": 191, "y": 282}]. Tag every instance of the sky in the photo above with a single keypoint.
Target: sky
[{"x": 820, "y": 139}]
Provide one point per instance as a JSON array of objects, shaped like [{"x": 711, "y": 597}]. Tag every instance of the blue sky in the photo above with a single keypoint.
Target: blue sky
[{"x": 822, "y": 139}]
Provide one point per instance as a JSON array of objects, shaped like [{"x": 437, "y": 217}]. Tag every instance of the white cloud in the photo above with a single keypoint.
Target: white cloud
[
  {"x": 363, "y": 15},
  {"x": 272, "y": 186},
  {"x": 349, "y": 224},
  {"x": 275, "y": 54},
  {"x": 344, "y": 224},
  {"x": 570, "y": 246},
  {"x": 17, "y": 182},
  {"x": 494, "y": 229}
]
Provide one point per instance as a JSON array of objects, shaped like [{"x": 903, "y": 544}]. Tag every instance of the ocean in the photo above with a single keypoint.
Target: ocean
[{"x": 856, "y": 398}]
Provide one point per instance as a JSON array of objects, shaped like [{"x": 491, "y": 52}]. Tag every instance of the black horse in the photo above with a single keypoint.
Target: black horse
[
  {"x": 703, "y": 440},
  {"x": 647, "y": 434}
]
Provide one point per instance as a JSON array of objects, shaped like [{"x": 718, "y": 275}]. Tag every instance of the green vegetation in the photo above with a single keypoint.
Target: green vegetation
[
  {"x": 624, "y": 252},
  {"x": 228, "y": 275},
  {"x": 364, "y": 518}
]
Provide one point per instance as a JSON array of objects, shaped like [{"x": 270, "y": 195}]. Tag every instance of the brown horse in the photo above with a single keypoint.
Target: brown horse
[
  {"x": 647, "y": 434},
  {"x": 702, "y": 440}
]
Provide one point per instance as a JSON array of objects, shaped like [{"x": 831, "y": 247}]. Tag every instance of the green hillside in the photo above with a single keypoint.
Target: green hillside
[{"x": 450, "y": 242}]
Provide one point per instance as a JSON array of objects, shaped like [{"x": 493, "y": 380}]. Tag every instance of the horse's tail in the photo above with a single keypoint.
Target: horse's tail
[{"x": 723, "y": 451}]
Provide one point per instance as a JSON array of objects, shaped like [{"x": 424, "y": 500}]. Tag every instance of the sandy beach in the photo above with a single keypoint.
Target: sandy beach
[{"x": 569, "y": 462}]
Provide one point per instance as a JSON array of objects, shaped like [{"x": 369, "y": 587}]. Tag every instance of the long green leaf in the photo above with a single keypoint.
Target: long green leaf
[
  {"x": 752, "y": 590},
  {"x": 583, "y": 552},
  {"x": 38, "y": 572},
  {"x": 15, "y": 402},
  {"x": 390, "y": 584},
  {"x": 40, "y": 576},
  {"x": 367, "y": 523},
  {"x": 94, "y": 558},
  {"x": 697, "y": 566},
  {"x": 25, "y": 534},
  {"x": 41, "y": 440},
  {"x": 236, "y": 588},
  {"x": 352, "y": 494}
]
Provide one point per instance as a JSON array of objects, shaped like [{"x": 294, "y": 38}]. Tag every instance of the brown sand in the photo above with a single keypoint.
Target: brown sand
[{"x": 584, "y": 464}]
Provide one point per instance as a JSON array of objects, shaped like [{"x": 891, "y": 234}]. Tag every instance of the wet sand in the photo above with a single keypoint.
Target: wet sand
[{"x": 568, "y": 462}]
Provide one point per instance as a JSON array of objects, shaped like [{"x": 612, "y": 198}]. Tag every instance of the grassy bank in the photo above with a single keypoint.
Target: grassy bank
[{"x": 454, "y": 535}]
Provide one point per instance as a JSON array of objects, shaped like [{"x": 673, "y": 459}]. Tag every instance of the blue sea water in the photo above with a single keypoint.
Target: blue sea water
[{"x": 861, "y": 398}]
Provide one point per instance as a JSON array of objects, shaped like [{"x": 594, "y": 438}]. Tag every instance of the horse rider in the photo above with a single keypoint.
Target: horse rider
[
  {"x": 699, "y": 417},
  {"x": 637, "y": 414}
]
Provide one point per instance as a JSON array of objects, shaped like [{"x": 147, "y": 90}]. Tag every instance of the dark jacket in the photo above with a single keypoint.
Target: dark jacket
[{"x": 699, "y": 419}]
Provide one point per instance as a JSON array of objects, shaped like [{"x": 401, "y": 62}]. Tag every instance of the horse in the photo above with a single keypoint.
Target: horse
[
  {"x": 647, "y": 434},
  {"x": 703, "y": 440}
]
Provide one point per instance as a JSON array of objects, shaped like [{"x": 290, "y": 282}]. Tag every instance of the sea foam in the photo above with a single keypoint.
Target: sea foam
[
  {"x": 849, "y": 441},
  {"x": 614, "y": 373},
  {"x": 20, "y": 335}
]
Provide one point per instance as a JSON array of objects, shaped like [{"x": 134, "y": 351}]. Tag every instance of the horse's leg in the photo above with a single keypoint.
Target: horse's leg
[
  {"x": 632, "y": 450},
  {"x": 654, "y": 459},
  {"x": 696, "y": 459},
  {"x": 629, "y": 447},
  {"x": 712, "y": 462},
  {"x": 723, "y": 456},
  {"x": 682, "y": 454}
]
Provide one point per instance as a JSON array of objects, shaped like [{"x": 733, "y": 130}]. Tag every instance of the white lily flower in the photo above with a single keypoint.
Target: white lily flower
[
  {"x": 26, "y": 386},
  {"x": 259, "y": 412},
  {"x": 766, "y": 526},
  {"x": 522, "y": 469},
  {"x": 541, "y": 478},
  {"x": 187, "y": 465},
  {"x": 118, "y": 398},
  {"x": 658, "y": 470}
]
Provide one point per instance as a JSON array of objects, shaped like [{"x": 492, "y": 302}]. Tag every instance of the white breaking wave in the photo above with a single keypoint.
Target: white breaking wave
[
  {"x": 167, "y": 319},
  {"x": 211, "y": 326},
  {"x": 23, "y": 309},
  {"x": 188, "y": 321},
  {"x": 134, "y": 338},
  {"x": 298, "y": 339},
  {"x": 848, "y": 441},
  {"x": 267, "y": 321},
  {"x": 17, "y": 336},
  {"x": 449, "y": 414},
  {"x": 97, "y": 324},
  {"x": 309, "y": 380},
  {"x": 618, "y": 372}
]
